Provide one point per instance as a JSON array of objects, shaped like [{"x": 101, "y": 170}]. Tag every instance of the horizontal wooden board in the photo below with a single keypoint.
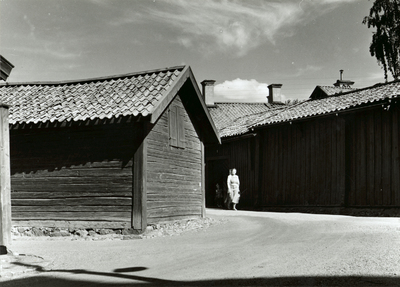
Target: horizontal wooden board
[
  {"x": 61, "y": 215},
  {"x": 74, "y": 201},
  {"x": 73, "y": 224},
  {"x": 71, "y": 208},
  {"x": 62, "y": 194},
  {"x": 76, "y": 172}
]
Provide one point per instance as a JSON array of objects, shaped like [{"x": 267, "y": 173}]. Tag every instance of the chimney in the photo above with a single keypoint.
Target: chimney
[
  {"x": 274, "y": 91},
  {"x": 208, "y": 92},
  {"x": 343, "y": 83},
  {"x": 5, "y": 68}
]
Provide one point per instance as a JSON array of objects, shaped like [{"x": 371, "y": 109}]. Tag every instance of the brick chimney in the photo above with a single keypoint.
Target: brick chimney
[
  {"x": 274, "y": 91},
  {"x": 5, "y": 68},
  {"x": 208, "y": 92}
]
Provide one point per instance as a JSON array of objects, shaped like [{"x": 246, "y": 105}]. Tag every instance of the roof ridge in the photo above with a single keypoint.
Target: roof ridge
[
  {"x": 335, "y": 87},
  {"x": 240, "y": 103},
  {"x": 377, "y": 85},
  {"x": 94, "y": 79},
  {"x": 272, "y": 111}
]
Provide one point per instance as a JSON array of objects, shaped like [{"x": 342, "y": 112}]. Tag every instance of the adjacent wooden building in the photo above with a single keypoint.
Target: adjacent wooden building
[
  {"x": 334, "y": 150},
  {"x": 121, "y": 151}
]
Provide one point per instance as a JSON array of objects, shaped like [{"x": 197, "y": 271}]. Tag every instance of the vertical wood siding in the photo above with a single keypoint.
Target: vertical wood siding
[
  {"x": 349, "y": 160},
  {"x": 73, "y": 173},
  {"x": 374, "y": 168},
  {"x": 173, "y": 174},
  {"x": 301, "y": 164}
]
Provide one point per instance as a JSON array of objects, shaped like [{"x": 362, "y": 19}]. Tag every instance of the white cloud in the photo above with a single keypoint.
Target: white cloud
[
  {"x": 229, "y": 25},
  {"x": 240, "y": 90}
]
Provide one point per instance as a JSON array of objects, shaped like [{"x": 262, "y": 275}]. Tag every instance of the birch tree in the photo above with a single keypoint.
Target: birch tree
[{"x": 385, "y": 46}]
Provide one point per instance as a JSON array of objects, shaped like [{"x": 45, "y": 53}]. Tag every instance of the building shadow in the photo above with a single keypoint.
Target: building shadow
[{"x": 46, "y": 278}]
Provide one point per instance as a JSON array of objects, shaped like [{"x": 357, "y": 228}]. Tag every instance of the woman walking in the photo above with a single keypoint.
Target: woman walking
[{"x": 233, "y": 187}]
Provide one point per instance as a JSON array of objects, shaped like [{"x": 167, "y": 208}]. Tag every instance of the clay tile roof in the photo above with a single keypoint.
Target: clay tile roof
[
  {"x": 327, "y": 91},
  {"x": 130, "y": 94},
  {"x": 310, "y": 108},
  {"x": 224, "y": 114}
]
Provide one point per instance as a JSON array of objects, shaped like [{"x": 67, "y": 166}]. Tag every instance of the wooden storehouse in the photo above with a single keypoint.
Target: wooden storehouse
[
  {"x": 335, "y": 150},
  {"x": 222, "y": 158},
  {"x": 121, "y": 151}
]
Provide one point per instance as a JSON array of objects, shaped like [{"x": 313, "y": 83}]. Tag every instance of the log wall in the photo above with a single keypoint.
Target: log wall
[
  {"x": 173, "y": 174},
  {"x": 75, "y": 173}
]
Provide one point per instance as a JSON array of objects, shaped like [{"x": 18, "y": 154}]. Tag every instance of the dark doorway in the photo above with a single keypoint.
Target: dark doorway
[{"x": 216, "y": 173}]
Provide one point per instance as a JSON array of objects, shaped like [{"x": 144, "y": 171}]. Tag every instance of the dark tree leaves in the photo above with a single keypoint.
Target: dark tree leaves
[{"x": 385, "y": 46}]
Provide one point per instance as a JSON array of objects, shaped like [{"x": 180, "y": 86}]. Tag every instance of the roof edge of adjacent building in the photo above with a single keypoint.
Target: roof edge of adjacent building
[{"x": 95, "y": 79}]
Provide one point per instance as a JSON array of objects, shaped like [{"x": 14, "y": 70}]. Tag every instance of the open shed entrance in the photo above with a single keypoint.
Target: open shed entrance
[{"x": 216, "y": 173}]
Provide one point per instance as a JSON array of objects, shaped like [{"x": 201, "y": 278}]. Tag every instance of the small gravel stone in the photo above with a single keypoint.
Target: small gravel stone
[{"x": 155, "y": 230}]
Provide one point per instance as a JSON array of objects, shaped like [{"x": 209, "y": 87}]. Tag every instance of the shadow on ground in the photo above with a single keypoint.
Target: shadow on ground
[{"x": 47, "y": 279}]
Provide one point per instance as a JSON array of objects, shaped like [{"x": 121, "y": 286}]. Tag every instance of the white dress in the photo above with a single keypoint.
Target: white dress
[{"x": 233, "y": 183}]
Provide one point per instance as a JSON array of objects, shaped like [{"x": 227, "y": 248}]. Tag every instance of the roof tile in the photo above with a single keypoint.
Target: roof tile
[
  {"x": 224, "y": 115},
  {"x": 316, "y": 107},
  {"x": 131, "y": 94}
]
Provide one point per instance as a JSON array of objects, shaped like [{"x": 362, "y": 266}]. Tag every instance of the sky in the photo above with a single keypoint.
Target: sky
[{"x": 244, "y": 45}]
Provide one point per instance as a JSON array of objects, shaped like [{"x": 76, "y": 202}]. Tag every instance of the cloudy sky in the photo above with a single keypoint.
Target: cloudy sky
[{"x": 243, "y": 45}]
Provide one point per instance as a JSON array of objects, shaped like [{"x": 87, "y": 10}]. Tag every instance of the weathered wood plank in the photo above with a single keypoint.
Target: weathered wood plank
[
  {"x": 341, "y": 154},
  {"x": 313, "y": 183},
  {"x": 353, "y": 167},
  {"x": 139, "y": 214},
  {"x": 334, "y": 162},
  {"x": 378, "y": 158},
  {"x": 72, "y": 224},
  {"x": 326, "y": 199},
  {"x": 203, "y": 181},
  {"x": 67, "y": 215},
  {"x": 395, "y": 156},
  {"x": 362, "y": 167},
  {"x": 386, "y": 157},
  {"x": 370, "y": 189},
  {"x": 70, "y": 208},
  {"x": 5, "y": 183},
  {"x": 308, "y": 166},
  {"x": 76, "y": 172},
  {"x": 302, "y": 162},
  {"x": 98, "y": 201},
  {"x": 62, "y": 194},
  {"x": 70, "y": 184}
]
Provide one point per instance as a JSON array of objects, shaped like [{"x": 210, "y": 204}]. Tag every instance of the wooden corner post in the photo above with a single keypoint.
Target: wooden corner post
[
  {"x": 203, "y": 181},
  {"x": 139, "y": 214},
  {"x": 5, "y": 181}
]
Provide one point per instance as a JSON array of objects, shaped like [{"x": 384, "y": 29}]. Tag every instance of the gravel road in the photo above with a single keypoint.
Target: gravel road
[{"x": 233, "y": 248}]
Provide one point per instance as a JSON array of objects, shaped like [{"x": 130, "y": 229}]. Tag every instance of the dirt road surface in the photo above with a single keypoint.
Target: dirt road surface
[{"x": 248, "y": 248}]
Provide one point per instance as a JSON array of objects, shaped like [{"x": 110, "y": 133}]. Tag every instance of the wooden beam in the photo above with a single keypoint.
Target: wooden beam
[
  {"x": 139, "y": 214},
  {"x": 203, "y": 181},
  {"x": 5, "y": 182}
]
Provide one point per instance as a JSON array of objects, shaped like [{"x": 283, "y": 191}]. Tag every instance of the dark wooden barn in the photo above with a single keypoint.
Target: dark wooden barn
[
  {"x": 339, "y": 150},
  {"x": 225, "y": 115},
  {"x": 121, "y": 151}
]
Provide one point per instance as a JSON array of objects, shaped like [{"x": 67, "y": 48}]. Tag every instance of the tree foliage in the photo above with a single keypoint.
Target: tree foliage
[{"x": 385, "y": 46}]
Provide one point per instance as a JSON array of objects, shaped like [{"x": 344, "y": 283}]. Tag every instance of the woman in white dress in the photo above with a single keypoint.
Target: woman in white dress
[{"x": 233, "y": 187}]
